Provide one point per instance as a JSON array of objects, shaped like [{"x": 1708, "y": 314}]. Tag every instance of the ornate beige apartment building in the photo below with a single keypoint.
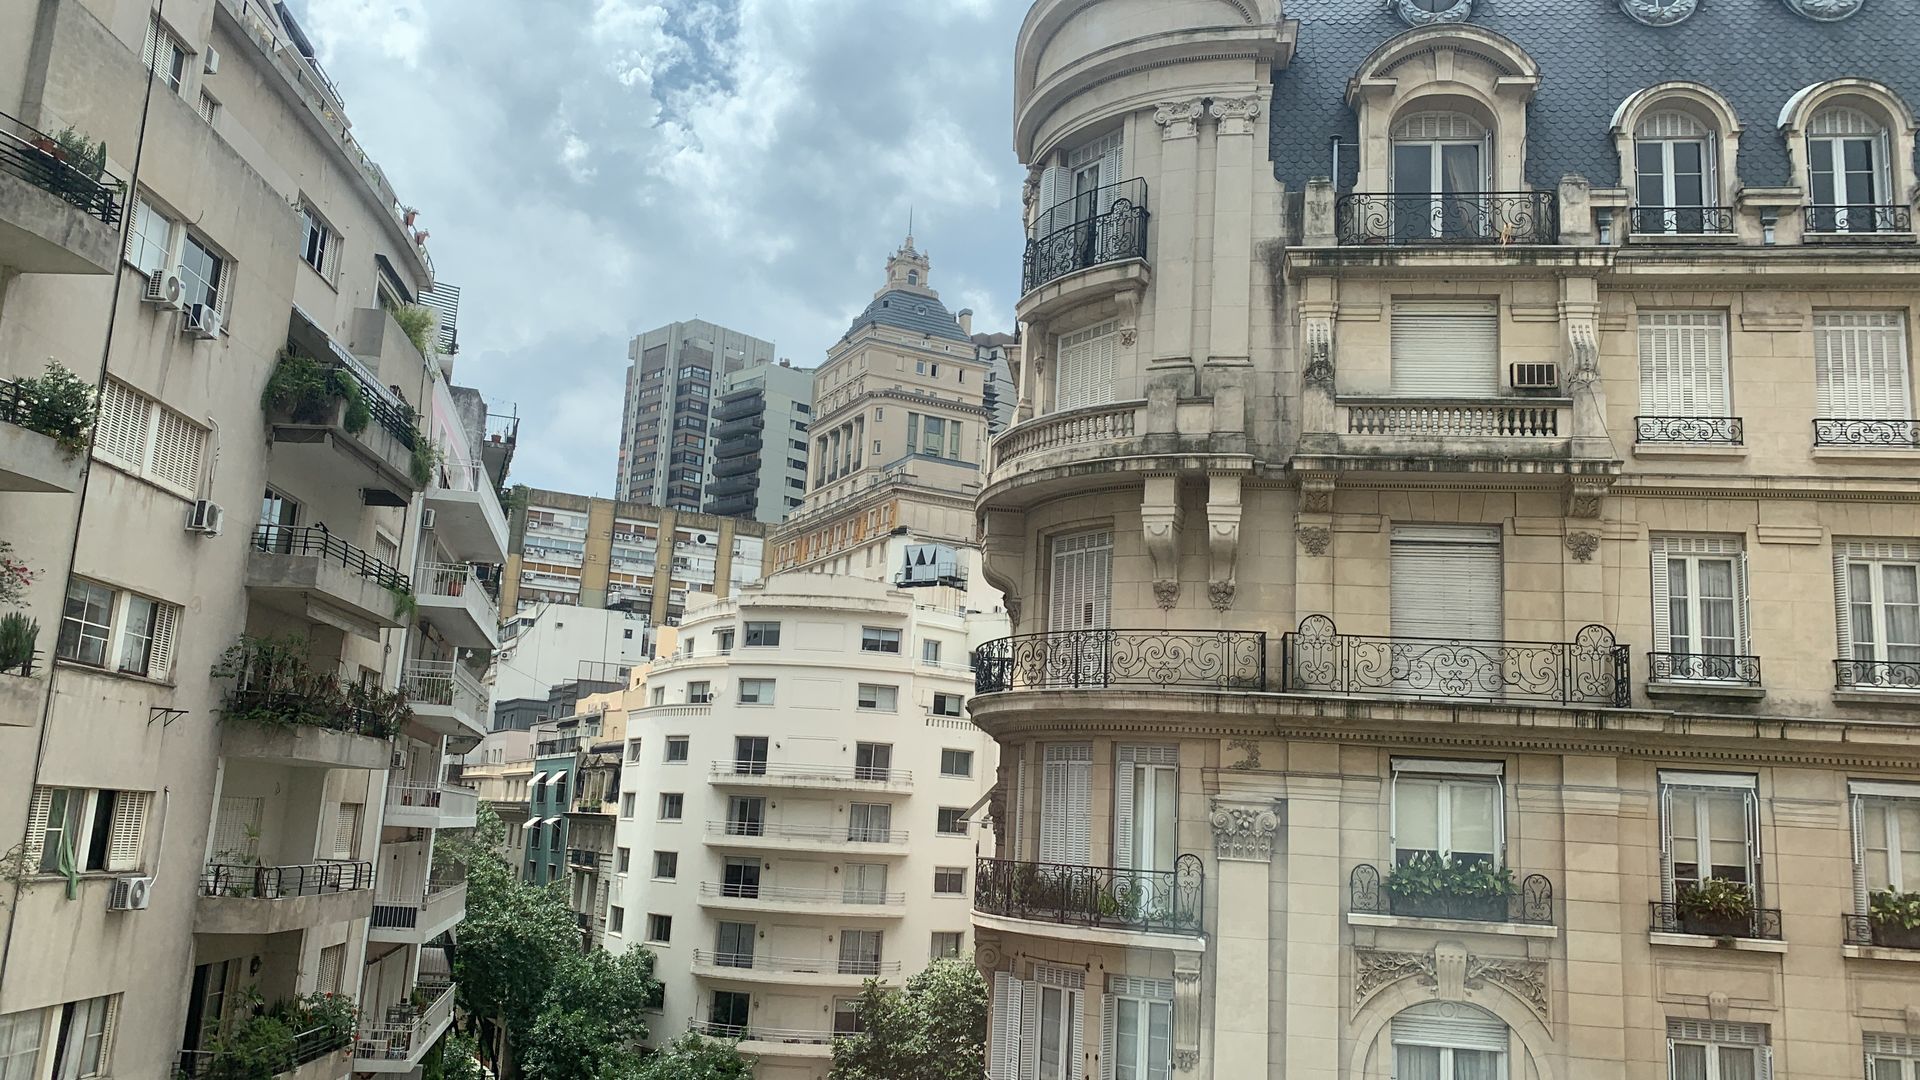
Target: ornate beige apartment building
[{"x": 1461, "y": 531}]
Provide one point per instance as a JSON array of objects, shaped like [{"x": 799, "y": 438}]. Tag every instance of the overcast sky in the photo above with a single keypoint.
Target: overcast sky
[{"x": 590, "y": 169}]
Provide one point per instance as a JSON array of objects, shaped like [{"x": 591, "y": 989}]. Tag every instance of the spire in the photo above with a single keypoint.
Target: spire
[{"x": 909, "y": 243}]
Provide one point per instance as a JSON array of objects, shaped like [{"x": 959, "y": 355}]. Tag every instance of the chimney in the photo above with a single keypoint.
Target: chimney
[{"x": 966, "y": 321}]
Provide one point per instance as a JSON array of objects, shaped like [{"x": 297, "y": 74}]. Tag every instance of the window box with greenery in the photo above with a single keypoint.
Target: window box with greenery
[
  {"x": 1895, "y": 919},
  {"x": 306, "y": 391},
  {"x": 1715, "y": 907},
  {"x": 57, "y": 404},
  {"x": 1432, "y": 886},
  {"x": 275, "y": 685}
]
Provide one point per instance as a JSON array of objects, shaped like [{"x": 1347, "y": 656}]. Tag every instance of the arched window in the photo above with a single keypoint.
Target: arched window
[
  {"x": 1674, "y": 181},
  {"x": 1447, "y": 1040},
  {"x": 1439, "y": 176},
  {"x": 1847, "y": 169},
  {"x": 913, "y": 277}
]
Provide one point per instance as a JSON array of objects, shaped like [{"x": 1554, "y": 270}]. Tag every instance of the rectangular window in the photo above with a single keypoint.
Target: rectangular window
[
  {"x": 1136, "y": 1025},
  {"x": 657, "y": 696},
  {"x": 930, "y": 651},
  {"x": 626, "y": 805},
  {"x": 1145, "y": 815},
  {"x": 723, "y": 641},
  {"x": 846, "y": 1017},
  {"x": 677, "y": 748},
  {"x": 947, "y": 704},
  {"x": 882, "y": 698},
  {"x": 87, "y": 830},
  {"x": 137, "y": 434},
  {"x": 633, "y": 750},
  {"x": 1860, "y": 366},
  {"x": 333, "y": 960},
  {"x": 149, "y": 238},
  {"x": 729, "y": 1013},
  {"x": 740, "y": 877},
  {"x": 866, "y": 884},
  {"x": 1683, "y": 364},
  {"x": 1709, "y": 829},
  {"x": 953, "y": 820},
  {"x": 317, "y": 242},
  {"x": 872, "y": 761},
  {"x": 762, "y": 635},
  {"x": 1445, "y": 348},
  {"x": 947, "y": 944},
  {"x": 699, "y": 692},
  {"x": 83, "y": 1044},
  {"x": 750, "y": 755},
  {"x": 1889, "y": 1057},
  {"x": 670, "y": 805},
  {"x": 20, "y": 1034},
  {"x": 859, "y": 952},
  {"x": 203, "y": 274},
  {"x": 956, "y": 763},
  {"x": 164, "y": 55},
  {"x": 880, "y": 640},
  {"x": 1081, "y": 589},
  {"x": 733, "y": 945},
  {"x": 1085, "y": 372},
  {"x": 1066, "y": 804},
  {"x": 1444, "y": 584},
  {"x": 659, "y": 928},
  {"x": 1877, "y": 607},
  {"x": 622, "y": 860},
  {"x": 756, "y": 691},
  {"x": 666, "y": 865},
  {"x": 1699, "y": 607},
  {"x": 1886, "y": 829},
  {"x": 209, "y": 107},
  {"x": 869, "y": 823},
  {"x": 1717, "y": 1050},
  {"x": 1452, "y": 809}
]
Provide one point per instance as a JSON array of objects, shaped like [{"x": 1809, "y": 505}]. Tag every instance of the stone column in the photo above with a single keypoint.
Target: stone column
[
  {"x": 1243, "y": 835},
  {"x": 1174, "y": 215}
]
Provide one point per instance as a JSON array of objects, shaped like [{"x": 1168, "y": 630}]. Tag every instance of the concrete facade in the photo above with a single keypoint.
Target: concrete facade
[
  {"x": 760, "y": 442},
  {"x": 666, "y": 435}
]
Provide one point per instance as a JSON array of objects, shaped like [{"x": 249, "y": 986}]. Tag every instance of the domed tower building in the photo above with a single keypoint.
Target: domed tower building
[{"x": 1460, "y": 532}]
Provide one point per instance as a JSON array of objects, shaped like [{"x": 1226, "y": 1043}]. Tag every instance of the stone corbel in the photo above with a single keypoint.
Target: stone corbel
[
  {"x": 1179, "y": 119},
  {"x": 1223, "y": 537},
  {"x": 1585, "y": 497},
  {"x": 1160, "y": 523},
  {"x": 1128, "y": 301},
  {"x": 1002, "y": 539},
  {"x": 1591, "y": 440},
  {"x": 1186, "y": 1011},
  {"x": 1316, "y": 495},
  {"x": 1236, "y": 115}
]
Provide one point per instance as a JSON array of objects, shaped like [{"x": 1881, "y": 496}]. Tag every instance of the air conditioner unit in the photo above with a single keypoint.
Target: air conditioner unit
[
  {"x": 206, "y": 517},
  {"x": 210, "y": 64},
  {"x": 398, "y": 761},
  {"x": 1534, "y": 376},
  {"x": 202, "y": 321},
  {"x": 130, "y": 894},
  {"x": 163, "y": 289},
  {"x": 426, "y": 518}
]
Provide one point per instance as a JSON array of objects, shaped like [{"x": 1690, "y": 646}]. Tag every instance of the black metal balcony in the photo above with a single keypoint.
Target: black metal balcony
[
  {"x": 34, "y": 156},
  {"x": 1876, "y": 674},
  {"x": 1079, "y": 659},
  {"x": 1105, "y": 225},
  {"x": 274, "y": 882},
  {"x": 1592, "y": 669},
  {"x": 1464, "y": 217},
  {"x": 1761, "y": 923},
  {"x": 1859, "y": 219},
  {"x": 733, "y": 505},
  {"x": 1866, "y": 930},
  {"x": 1155, "y": 901},
  {"x": 1685, "y": 667},
  {"x": 1680, "y": 220},
  {"x": 313, "y": 540},
  {"x": 1532, "y": 902},
  {"x": 1692, "y": 430},
  {"x": 1836, "y": 431}
]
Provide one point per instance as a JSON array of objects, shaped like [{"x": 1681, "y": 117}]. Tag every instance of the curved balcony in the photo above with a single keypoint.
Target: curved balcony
[
  {"x": 1068, "y": 900},
  {"x": 408, "y": 1032},
  {"x": 1448, "y": 219},
  {"x": 776, "y": 899},
  {"x": 1078, "y": 659},
  {"x": 452, "y": 598},
  {"x": 778, "y": 774},
  {"x": 445, "y": 697},
  {"x": 1592, "y": 669},
  {"x": 822, "y": 839},
  {"x": 1088, "y": 229},
  {"x": 790, "y": 970},
  {"x": 1371, "y": 893},
  {"x": 756, "y": 1041}
]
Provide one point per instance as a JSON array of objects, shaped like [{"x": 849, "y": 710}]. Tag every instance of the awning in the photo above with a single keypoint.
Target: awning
[
  {"x": 535, "y": 782},
  {"x": 557, "y": 777}
]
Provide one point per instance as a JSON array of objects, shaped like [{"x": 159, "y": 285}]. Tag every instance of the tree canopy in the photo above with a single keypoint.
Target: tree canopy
[{"x": 933, "y": 1029}]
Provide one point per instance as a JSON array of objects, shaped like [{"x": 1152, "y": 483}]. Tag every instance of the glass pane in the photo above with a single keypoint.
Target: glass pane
[
  {"x": 1887, "y": 1069},
  {"x": 1650, "y": 169},
  {"x": 1822, "y": 171},
  {"x": 1126, "y": 1040},
  {"x": 1165, "y": 831},
  {"x": 1476, "y": 1065},
  {"x": 1689, "y": 1062},
  {"x": 1874, "y": 841},
  {"x": 1418, "y": 1063},
  {"x": 1473, "y": 814},
  {"x": 1052, "y": 1053},
  {"x": 1159, "y": 1040},
  {"x": 1416, "y": 809},
  {"x": 1412, "y": 169},
  {"x": 1679, "y": 624},
  {"x": 1737, "y": 1063},
  {"x": 1461, "y": 162}
]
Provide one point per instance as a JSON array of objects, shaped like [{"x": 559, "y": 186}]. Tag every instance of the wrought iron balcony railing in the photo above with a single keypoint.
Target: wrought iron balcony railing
[
  {"x": 34, "y": 156},
  {"x": 1463, "y": 217},
  {"x": 1703, "y": 668},
  {"x": 1370, "y": 894},
  {"x": 1859, "y": 218},
  {"x": 313, "y": 540},
  {"x": 1698, "y": 430},
  {"x": 1592, "y": 669},
  {"x": 273, "y": 882},
  {"x": 1107, "y": 224},
  {"x": 1866, "y": 930},
  {"x": 1156, "y": 901},
  {"x": 1074, "y": 659},
  {"x": 1877, "y": 674},
  {"x": 1762, "y": 923},
  {"x": 1836, "y": 431},
  {"x": 1681, "y": 220}
]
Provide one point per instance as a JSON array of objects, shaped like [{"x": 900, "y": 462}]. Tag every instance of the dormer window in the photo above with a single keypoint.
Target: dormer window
[
  {"x": 1673, "y": 175},
  {"x": 1439, "y": 176},
  {"x": 1847, "y": 163}
]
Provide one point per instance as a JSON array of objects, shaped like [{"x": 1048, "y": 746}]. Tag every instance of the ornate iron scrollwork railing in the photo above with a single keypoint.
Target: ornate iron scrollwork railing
[
  {"x": 1859, "y": 218},
  {"x": 1463, "y": 217},
  {"x": 1866, "y": 930},
  {"x": 1835, "y": 431},
  {"x": 1762, "y": 923},
  {"x": 1877, "y": 674},
  {"x": 1162, "y": 901},
  {"x": 1703, "y": 667},
  {"x": 1532, "y": 902},
  {"x": 1592, "y": 669},
  {"x": 1708, "y": 430},
  {"x": 1070, "y": 659},
  {"x": 1681, "y": 220},
  {"x": 1107, "y": 224}
]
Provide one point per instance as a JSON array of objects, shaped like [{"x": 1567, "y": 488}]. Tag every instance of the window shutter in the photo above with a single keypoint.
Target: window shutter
[
  {"x": 37, "y": 816},
  {"x": 136, "y": 223},
  {"x": 1672, "y": 1072},
  {"x": 1077, "y": 1061},
  {"x": 1123, "y": 794},
  {"x": 1110, "y": 166},
  {"x": 1029, "y": 1061},
  {"x": 106, "y": 1036},
  {"x": 176, "y": 452},
  {"x": 1842, "y": 605},
  {"x": 1109, "y": 1028},
  {"x": 121, "y": 437},
  {"x": 346, "y": 830},
  {"x": 1445, "y": 584},
  {"x": 1683, "y": 367},
  {"x": 1666, "y": 847},
  {"x": 1750, "y": 801},
  {"x": 1860, "y": 366},
  {"x": 152, "y": 47},
  {"x": 1662, "y": 596},
  {"x": 1085, "y": 370},
  {"x": 160, "y": 660},
  {"x": 1003, "y": 1037},
  {"x": 1056, "y": 187},
  {"x": 1764, "y": 1055},
  {"x": 129, "y": 830},
  {"x": 1079, "y": 811},
  {"x": 1445, "y": 349},
  {"x": 327, "y": 980},
  {"x": 1857, "y": 812}
]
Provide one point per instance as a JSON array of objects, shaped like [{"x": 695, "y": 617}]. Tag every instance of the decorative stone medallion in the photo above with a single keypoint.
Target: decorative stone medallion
[
  {"x": 1428, "y": 12},
  {"x": 1826, "y": 10},
  {"x": 1659, "y": 12}
]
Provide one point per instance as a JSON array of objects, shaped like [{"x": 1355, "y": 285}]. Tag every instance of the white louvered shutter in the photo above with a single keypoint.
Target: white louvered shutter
[
  {"x": 1109, "y": 1028},
  {"x": 121, "y": 427},
  {"x": 129, "y": 830},
  {"x": 1842, "y": 605},
  {"x": 136, "y": 221},
  {"x": 1056, "y": 189},
  {"x": 1003, "y": 1037},
  {"x": 1066, "y": 804},
  {"x": 1123, "y": 796},
  {"x": 1683, "y": 364},
  {"x": 107, "y": 1030},
  {"x": 1765, "y": 1058},
  {"x": 177, "y": 444},
  {"x": 1666, "y": 548},
  {"x": 1860, "y": 366},
  {"x": 1110, "y": 165},
  {"x": 1020, "y": 841},
  {"x": 160, "y": 658},
  {"x": 1445, "y": 583},
  {"x": 327, "y": 979},
  {"x": 346, "y": 830},
  {"x": 1084, "y": 372},
  {"x": 1750, "y": 801},
  {"x": 1445, "y": 348},
  {"x": 1081, "y": 592},
  {"x": 37, "y": 816},
  {"x": 1029, "y": 1060},
  {"x": 1666, "y": 844},
  {"x": 1076, "y": 1044},
  {"x": 1857, "y": 814},
  {"x": 1662, "y": 596}
]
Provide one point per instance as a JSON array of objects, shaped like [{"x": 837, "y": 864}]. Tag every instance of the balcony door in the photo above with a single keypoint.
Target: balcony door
[
  {"x": 1847, "y": 166},
  {"x": 1877, "y": 589},
  {"x": 866, "y": 883},
  {"x": 1079, "y": 599},
  {"x": 742, "y": 879},
  {"x": 1860, "y": 374},
  {"x": 746, "y": 815},
  {"x": 1084, "y": 372},
  {"x": 733, "y": 945},
  {"x": 1442, "y": 1040},
  {"x": 1066, "y": 804},
  {"x": 1145, "y": 822},
  {"x": 1439, "y": 175},
  {"x": 1683, "y": 375},
  {"x": 1445, "y": 348},
  {"x": 1672, "y": 174},
  {"x": 279, "y": 515},
  {"x": 1699, "y": 606}
]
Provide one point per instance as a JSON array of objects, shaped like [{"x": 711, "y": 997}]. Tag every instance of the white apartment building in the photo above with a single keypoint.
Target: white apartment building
[
  {"x": 195, "y": 825},
  {"x": 797, "y": 810}
]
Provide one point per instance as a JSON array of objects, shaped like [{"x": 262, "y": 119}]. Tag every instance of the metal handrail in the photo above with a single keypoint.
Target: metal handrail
[
  {"x": 1859, "y": 218},
  {"x": 795, "y": 965},
  {"x": 1680, "y": 220},
  {"x": 1713, "y": 430},
  {"x": 1461, "y": 217},
  {"x": 781, "y": 770},
  {"x": 1843, "y": 431},
  {"x": 310, "y": 1045},
  {"x": 1371, "y": 893},
  {"x": 1156, "y": 901},
  {"x": 1761, "y": 923},
  {"x": 846, "y": 834},
  {"x": 398, "y": 1040},
  {"x": 1075, "y": 659},
  {"x": 1069, "y": 236},
  {"x": 1703, "y": 667},
  {"x": 447, "y": 579},
  {"x": 754, "y": 1032},
  {"x": 274, "y": 882},
  {"x": 1876, "y": 674},
  {"x": 21, "y": 155},
  {"x": 315, "y": 540},
  {"x": 865, "y": 897},
  {"x": 1592, "y": 669},
  {"x": 462, "y": 476},
  {"x": 443, "y": 682}
]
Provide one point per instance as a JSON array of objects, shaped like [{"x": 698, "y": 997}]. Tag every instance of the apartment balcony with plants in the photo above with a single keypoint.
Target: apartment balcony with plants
[
  {"x": 305, "y": 1038},
  {"x": 44, "y": 423},
  {"x": 59, "y": 207},
  {"x": 310, "y": 574},
  {"x": 331, "y": 420},
  {"x": 413, "y": 915},
  {"x": 244, "y": 892},
  {"x": 396, "y": 1040},
  {"x": 284, "y": 704}
]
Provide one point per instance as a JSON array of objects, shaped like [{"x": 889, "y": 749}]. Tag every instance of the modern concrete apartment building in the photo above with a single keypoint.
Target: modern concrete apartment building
[
  {"x": 587, "y": 552},
  {"x": 1000, "y": 353},
  {"x": 760, "y": 442},
  {"x": 666, "y": 437},
  {"x": 1458, "y": 437},
  {"x": 197, "y": 810}
]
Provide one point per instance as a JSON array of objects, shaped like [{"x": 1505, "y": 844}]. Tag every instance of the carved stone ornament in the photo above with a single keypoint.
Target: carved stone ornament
[
  {"x": 1166, "y": 594},
  {"x": 1185, "y": 1060},
  {"x": 1428, "y": 12},
  {"x": 1316, "y": 496},
  {"x": 1583, "y": 348},
  {"x": 1319, "y": 370},
  {"x": 1220, "y": 595},
  {"x": 1826, "y": 10},
  {"x": 1659, "y": 12},
  {"x": 1247, "y": 747},
  {"x": 1526, "y": 979},
  {"x": 1243, "y": 833},
  {"x": 1235, "y": 114},
  {"x": 1583, "y": 501},
  {"x": 1583, "y": 545},
  {"x": 1031, "y": 189},
  {"x": 1129, "y": 335},
  {"x": 1375, "y": 969},
  {"x": 1179, "y": 119},
  {"x": 1160, "y": 528},
  {"x": 1223, "y": 539},
  {"x": 1313, "y": 538},
  {"x": 1450, "y": 971}
]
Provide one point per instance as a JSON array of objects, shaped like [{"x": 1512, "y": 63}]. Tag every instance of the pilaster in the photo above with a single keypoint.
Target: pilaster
[
  {"x": 1174, "y": 209},
  {"x": 1243, "y": 836}
]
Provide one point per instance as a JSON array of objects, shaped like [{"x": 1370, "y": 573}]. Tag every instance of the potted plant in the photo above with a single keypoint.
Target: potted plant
[
  {"x": 1895, "y": 918},
  {"x": 18, "y": 634},
  {"x": 1716, "y": 908},
  {"x": 1430, "y": 885}
]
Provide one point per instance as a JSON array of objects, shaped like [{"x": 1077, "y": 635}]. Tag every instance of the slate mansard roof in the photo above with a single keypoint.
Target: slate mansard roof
[
  {"x": 911, "y": 311},
  {"x": 1592, "y": 55}
]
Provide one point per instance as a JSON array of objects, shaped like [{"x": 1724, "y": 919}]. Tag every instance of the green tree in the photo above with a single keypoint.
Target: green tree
[
  {"x": 591, "y": 1024},
  {"x": 693, "y": 1057},
  {"x": 934, "y": 1029}
]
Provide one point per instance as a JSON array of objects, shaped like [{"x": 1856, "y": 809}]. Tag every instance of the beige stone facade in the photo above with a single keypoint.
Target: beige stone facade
[{"x": 1342, "y": 536}]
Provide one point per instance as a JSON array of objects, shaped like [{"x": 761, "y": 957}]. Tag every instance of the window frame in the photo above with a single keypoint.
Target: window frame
[
  {"x": 132, "y": 420},
  {"x": 768, "y": 634},
  {"x": 677, "y": 749},
  {"x": 760, "y": 686},
  {"x": 877, "y": 697},
  {"x": 319, "y": 243},
  {"x": 1447, "y": 775},
  {"x": 1876, "y": 557},
  {"x": 874, "y": 639},
  {"x": 1693, "y": 551},
  {"x": 678, "y": 805},
  {"x": 958, "y": 701},
  {"x": 1715, "y": 1038},
  {"x": 955, "y": 876},
  {"x": 195, "y": 286},
  {"x": 656, "y": 924},
  {"x": 1150, "y": 998},
  {"x": 943, "y": 816},
  {"x": 963, "y": 755},
  {"x": 1700, "y": 787}
]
